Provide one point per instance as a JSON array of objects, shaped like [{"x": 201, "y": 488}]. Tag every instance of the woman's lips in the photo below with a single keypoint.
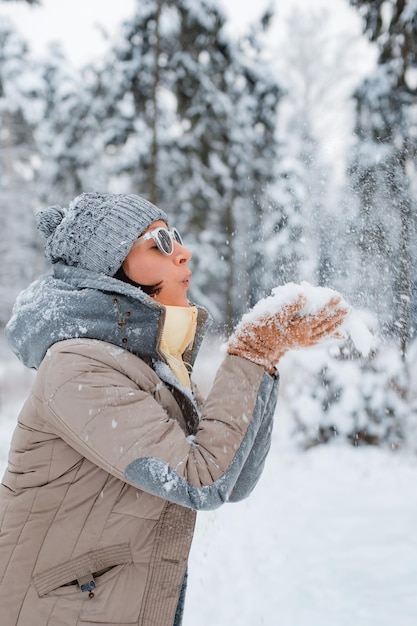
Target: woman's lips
[{"x": 187, "y": 279}]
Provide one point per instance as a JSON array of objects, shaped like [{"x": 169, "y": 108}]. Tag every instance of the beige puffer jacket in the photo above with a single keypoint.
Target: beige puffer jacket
[{"x": 97, "y": 506}]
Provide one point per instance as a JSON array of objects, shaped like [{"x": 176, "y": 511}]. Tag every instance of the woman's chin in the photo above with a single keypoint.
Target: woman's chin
[{"x": 173, "y": 301}]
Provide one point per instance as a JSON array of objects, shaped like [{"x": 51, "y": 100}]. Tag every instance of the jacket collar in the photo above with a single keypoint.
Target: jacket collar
[{"x": 75, "y": 303}]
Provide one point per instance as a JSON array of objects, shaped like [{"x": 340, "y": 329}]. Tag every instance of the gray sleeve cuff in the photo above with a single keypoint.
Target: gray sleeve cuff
[{"x": 253, "y": 468}]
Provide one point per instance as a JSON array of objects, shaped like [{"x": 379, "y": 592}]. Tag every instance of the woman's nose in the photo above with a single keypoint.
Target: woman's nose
[{"x": 181, "y": 253}]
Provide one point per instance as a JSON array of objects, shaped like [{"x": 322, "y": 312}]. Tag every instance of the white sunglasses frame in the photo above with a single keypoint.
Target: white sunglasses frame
[{"x": 173, "y": 234}]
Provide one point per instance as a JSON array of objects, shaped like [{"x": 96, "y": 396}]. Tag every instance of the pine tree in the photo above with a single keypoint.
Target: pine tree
[
  {"x": 189, "y": 118},
  {"x": 227, "y": 99},
  {"x": 383, "y": 167},
  {"x": 308, "y": 220},
  {"x": 132, "y": 100},
  {"x": 347, "y": 397},
  {"x": 21, "y": 108},
  {"x": 68, "y": 137}
]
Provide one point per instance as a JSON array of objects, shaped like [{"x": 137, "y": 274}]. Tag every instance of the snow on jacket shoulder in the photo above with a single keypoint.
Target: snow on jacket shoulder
[{"x": 113, "y": 409}]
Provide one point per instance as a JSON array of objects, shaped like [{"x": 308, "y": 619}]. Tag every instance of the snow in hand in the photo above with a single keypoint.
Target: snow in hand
[{"x": 315, "y": 298}]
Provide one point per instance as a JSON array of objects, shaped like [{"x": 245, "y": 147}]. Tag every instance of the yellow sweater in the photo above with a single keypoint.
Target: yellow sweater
[{"x": 177, "y": 334}]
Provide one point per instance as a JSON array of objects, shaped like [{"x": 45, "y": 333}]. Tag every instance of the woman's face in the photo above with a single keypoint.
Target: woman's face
[{"x": 146, "y": 265}]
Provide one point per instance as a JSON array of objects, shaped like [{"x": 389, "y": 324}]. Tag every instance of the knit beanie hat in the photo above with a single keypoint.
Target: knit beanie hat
[{"x": 97, "y": 230}]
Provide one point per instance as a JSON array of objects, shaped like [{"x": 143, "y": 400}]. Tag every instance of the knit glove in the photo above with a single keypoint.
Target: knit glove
[{"x": 264, "y": 337}]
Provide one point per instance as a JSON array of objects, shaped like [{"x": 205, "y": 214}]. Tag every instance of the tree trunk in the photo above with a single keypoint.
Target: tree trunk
[
  {"x": 230, "y": 261},
  {"x": 153, "y": 168},
  {"x": 404, "y": 272},
  {"x": 404, "y": 261}
]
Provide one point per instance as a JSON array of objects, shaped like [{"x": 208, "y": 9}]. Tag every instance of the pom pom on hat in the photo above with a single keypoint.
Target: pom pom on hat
[
  {"x": 49, "y": 219},
  {"x": 97, "y": 230}
]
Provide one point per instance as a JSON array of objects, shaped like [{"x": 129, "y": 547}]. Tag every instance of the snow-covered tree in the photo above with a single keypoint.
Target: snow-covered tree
[
  {"x": 227, "y": 102},
  {"x": 318, "y": 70},
  {"x": 345, "y": 397},
  {"x": 384, "y": 165},
  {"x": 132, "y": 98},
  {"x": 189, "y": 120},
  {"x": 68, "y": 136},
  {"x": 21, "y": 108}
]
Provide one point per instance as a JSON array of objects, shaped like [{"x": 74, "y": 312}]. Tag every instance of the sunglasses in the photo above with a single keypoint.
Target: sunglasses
[{"x": 163, "y": 238}]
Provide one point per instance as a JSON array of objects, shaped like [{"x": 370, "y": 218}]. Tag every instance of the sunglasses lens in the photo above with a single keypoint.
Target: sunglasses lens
[
  {"x": 164, "y": 241},
  {"x": 176, "y": 235}
]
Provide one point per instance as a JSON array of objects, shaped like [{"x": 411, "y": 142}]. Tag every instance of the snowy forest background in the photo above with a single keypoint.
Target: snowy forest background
[
  {"x": 281, "y": 158},
  {"x": 228, "y": 135}
]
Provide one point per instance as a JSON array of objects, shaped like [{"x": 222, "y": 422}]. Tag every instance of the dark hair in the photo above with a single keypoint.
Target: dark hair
[{"x": 151, "y": 290}]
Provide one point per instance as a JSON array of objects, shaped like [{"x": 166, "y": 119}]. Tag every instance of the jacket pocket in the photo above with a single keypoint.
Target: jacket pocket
[{"x": 63, "y": 579}]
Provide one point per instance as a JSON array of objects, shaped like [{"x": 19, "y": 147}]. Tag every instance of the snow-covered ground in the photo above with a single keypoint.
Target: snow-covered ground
[{"x": 328, "y": 538}]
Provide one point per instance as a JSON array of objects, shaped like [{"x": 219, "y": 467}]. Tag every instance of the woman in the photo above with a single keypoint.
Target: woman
[{"x": 114, "y": 451}]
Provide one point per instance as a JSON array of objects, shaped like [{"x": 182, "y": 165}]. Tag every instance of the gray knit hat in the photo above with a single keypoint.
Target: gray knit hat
[{"x": 97, "y": 230}]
